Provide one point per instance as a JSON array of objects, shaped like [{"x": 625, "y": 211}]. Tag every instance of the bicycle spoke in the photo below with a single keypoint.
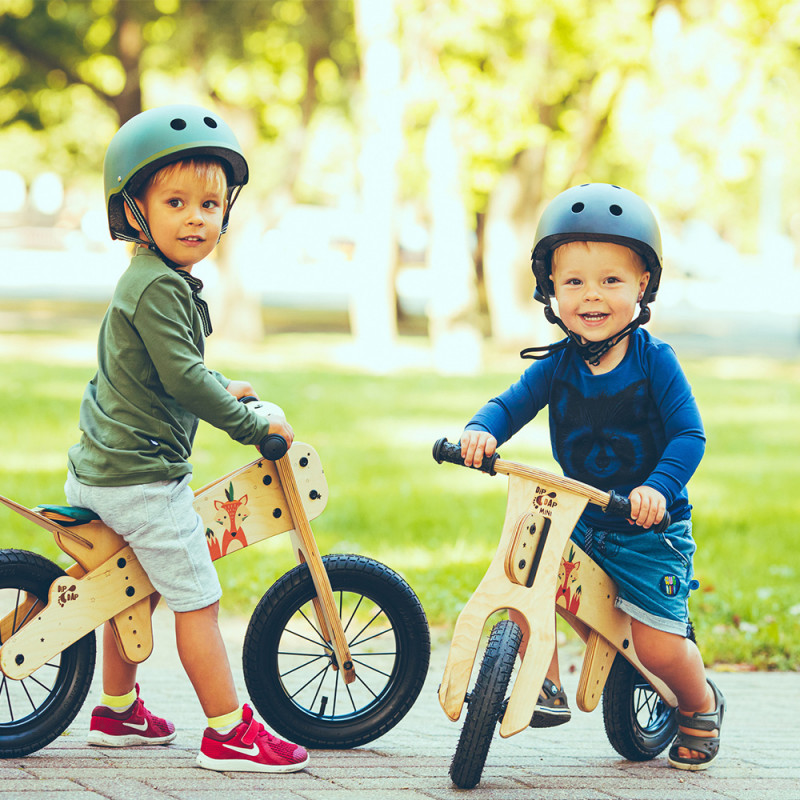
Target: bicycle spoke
[
  {"x": 31, "y": 610},
  {"x": 374, "y": 636},
  {"x": 350, "y": 693},
  {"x": 37, "y": 681},
  {"x": 303, "y": 665},
  {"x": 16, "y": 608},
  {"x": 28, "y": 695},
  {"x": 321, "y": 641},
  {"x": 374, "y": 669},
  {"x": 648, "y": 704},
  {"x": 310, "y": 680},
  {"x": 335, "y": 693},
  {"x": 355, "y": 610},
  {"x": 4, "y": 688},
  {"x": 313, "y": 627},
  {"x": 378, "y": 653},
  {"x": 361, "y": 680},
  {"x": 354, "y": 640}
]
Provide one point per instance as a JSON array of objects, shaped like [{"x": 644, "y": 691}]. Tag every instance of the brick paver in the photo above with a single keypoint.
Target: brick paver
[{"x": 759, "y": 759}]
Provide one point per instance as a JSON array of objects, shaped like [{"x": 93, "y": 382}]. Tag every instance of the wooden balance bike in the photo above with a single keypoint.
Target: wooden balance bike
[
  {"x": 535, "y": 570},
  {"x": 334, "y": 655}
]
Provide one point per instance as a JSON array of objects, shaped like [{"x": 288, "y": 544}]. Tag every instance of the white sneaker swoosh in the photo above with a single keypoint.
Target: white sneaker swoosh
[
  {"x": 247, "y": 751},
  {"x": 139, "y": 726}
]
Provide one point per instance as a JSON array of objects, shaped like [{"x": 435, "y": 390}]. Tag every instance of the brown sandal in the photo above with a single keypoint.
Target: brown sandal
[
  {"x": 706, "y": 746},
  {"x": 552, "y": 708}
]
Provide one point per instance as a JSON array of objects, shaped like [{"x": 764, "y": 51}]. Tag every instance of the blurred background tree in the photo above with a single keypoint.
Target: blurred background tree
[
  {"x": 688, "y": 101},
  {"x": 404, "y": 149}
]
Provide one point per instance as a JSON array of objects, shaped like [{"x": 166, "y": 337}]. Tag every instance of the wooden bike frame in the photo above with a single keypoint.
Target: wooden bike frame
[
  {"x": 106, "y": 582},
  {"x": 541, "y": 512}
]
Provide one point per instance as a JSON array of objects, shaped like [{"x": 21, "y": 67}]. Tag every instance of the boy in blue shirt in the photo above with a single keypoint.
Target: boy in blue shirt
[
  {"x": 171, "y": 177},
  {"x": 622, "y": 417}
]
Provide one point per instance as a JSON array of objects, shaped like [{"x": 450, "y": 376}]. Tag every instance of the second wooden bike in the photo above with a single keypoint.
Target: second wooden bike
[{"x": 537, "y": 571}]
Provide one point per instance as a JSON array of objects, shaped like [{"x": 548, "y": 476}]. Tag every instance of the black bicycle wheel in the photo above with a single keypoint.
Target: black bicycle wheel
[
  {"x": 289, "y": 670},
  {"x": 639, "y": 724},
  {"x": 37, "y": 709},
  {"x": 486, "y": 703}
]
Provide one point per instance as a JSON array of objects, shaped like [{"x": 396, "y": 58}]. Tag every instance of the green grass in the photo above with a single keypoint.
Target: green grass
[{"x": 438, "y": 525}]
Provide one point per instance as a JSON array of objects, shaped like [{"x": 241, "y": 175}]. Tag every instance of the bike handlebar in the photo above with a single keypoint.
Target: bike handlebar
[
  {"x": 612, "y": 503},
  {"x": 273, "y": 446},
  {"x": 446, "y": 451},
  {"x": 620, "y": 506}
]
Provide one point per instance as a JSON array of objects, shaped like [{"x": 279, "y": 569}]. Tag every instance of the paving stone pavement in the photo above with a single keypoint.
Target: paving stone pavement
[{"x": 759, "y": 758}]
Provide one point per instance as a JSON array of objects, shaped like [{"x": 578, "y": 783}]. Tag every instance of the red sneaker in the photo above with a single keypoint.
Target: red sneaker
[
  {"x": 132, "y": 727},
  {"x": 249, "y": 747}
]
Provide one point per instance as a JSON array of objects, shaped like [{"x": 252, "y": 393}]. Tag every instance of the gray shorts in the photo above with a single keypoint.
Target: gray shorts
[{"x": 160, "y": 524}]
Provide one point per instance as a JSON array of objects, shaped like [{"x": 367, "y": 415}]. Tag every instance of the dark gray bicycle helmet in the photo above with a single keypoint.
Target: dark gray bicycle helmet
[
  {"x": 597, "y": 212},
  {"x": 155, "y": 138}
]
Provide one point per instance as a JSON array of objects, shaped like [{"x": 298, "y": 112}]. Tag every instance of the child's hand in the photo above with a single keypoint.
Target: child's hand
[
  {"x": 647, "y": 506},
  {"x": 240, "y": 389},
  {"x": 277, "y": 423},
  {"x": 282, "y": 428},
  {"x": 475, "y": 445}
]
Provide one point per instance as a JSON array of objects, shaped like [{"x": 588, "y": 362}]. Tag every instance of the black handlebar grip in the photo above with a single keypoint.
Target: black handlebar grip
[
  {"x": 619, "y": 506},
  {"x": 666, "y": 521},
  {"x": 273, "y": 446},
  {"x": 445, "y": 451}
]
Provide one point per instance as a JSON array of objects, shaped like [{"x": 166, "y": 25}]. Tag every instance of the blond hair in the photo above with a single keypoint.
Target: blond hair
[
  {"x": 637, "y": 258},
  {"x": 208, "y": 171}
]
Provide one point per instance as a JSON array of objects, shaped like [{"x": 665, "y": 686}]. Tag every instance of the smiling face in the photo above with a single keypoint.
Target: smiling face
[
  {"x": 184, "y": 205},
  {"x": 597, "y": 286}
]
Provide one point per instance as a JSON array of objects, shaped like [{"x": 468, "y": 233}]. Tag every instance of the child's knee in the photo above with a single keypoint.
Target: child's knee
[{"x": 657, "y": 649}]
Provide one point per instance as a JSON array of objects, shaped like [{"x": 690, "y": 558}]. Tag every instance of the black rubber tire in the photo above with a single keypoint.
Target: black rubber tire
[
  {"x": 306, "y": 702},
  {"x": 39, "y": 708},
  {"x": 639, "y": 724},
  {"x": 486, "y": 704}
]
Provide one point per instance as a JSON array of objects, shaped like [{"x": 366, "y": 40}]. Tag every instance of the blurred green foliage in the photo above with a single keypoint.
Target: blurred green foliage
[
  {"x": 685, "y": 101},
  {"x": 437, "y": 524}
]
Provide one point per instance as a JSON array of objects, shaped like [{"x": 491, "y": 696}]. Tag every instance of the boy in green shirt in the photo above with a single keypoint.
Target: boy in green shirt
[{"x": 171, "y": 177}]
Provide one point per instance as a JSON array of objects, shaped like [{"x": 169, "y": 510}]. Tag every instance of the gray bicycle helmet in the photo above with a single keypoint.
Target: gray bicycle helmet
[
  {"x": 598, "y": 212},
  {"x": 155, "y": 138}
]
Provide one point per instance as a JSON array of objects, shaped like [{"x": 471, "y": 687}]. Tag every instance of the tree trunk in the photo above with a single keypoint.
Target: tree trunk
[
  {"x": 129, "y": 45},
  {"x": 373, "y": 311},
  {"x": 511, "y": 219},
  {"x": 452, "y": 310}
]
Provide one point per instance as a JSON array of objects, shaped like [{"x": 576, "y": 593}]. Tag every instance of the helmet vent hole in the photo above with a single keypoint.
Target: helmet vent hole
[
  {"x": 577, "y": 208},
  {"x": 615, "y": 210},
  {"x": 212, "y": 123},
  {"x": 178, "y": 124}
]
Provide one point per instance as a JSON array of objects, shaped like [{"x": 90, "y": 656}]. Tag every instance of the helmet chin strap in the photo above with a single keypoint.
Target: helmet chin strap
[{"x": 591, "y": 352}]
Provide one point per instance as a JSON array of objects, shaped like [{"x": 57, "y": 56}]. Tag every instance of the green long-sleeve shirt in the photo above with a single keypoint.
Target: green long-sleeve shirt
[{"x": 139, "y": 413}]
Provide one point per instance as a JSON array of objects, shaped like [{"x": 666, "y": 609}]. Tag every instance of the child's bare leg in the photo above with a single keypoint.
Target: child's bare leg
[
  {"x": 677, "y": 661},
  {"x": 552, "y": 671},
  {"x": 205, "y": 659},
  {"x": 119, "y": 677}
]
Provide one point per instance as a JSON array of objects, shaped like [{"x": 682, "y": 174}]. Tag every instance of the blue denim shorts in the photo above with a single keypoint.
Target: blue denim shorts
[
  {"x": 160, "y": 524},
  {"x": 653, "y": 571}
]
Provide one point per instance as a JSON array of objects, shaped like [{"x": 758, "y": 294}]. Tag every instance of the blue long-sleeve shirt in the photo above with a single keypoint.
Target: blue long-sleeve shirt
[{"x": 636, "y": 425}]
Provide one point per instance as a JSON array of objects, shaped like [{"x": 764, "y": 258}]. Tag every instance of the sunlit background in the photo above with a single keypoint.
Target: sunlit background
[{"x": 401, "y": 152}]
